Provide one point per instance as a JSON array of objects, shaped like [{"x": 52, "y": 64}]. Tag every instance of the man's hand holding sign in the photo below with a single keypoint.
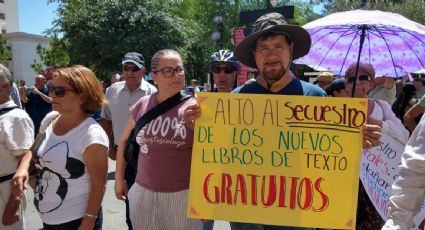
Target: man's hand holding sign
[{"x": 279, "y": 160}]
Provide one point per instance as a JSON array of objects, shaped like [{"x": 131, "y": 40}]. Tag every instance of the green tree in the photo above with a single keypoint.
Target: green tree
[
  {"x": 5, "y": 54},
  {"x": 303, "y": 11},
  {"x": 54, "y": 54},
  {"x": 412, "y": 9},
  {"x": 198, "y": 16},
  {"x": 98, "y": 32}
]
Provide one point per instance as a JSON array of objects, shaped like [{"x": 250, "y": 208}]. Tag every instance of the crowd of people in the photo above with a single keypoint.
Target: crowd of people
[{"x": 58, "y": 141}]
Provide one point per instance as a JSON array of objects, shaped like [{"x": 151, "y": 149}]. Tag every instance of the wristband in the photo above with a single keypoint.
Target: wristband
[{"x": 90, "y": 215}]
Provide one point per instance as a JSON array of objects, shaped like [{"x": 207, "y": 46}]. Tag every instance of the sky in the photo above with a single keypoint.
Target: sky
[{"x": 36, "y": 16}]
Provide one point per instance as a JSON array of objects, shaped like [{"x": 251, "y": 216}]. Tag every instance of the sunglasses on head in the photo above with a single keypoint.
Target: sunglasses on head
[
  {"x": 361, "y": 78},
  {"x": 130, "y": 68},
  {"x": 227, "y": 69},
  {"x": 59, "y": 91}
]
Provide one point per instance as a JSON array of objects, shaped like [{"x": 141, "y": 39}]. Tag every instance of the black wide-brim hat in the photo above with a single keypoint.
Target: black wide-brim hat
[{"x": 273, "y": 22}]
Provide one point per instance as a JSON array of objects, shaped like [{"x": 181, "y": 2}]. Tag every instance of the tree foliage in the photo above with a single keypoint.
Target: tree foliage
[
  {"x": 412, "y": 9},
  {"x": 97, "y": 33},
  {"x": 5, "y": 54},
  {"x": 54, "y": 54}
]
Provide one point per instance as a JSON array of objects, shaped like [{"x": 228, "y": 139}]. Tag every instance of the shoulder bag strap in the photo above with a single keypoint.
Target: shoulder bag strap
[
  {"x": 5, "y": 110},
  {"x": 161, "y": 109}
]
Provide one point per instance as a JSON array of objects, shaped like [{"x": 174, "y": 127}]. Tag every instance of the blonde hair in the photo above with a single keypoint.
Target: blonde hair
[
  {"x": 84, "y": 82},
  {"x": 364, "y": 67}
]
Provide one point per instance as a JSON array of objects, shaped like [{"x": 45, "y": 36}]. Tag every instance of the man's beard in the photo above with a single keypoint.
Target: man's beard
[{"x": 274, "y": 74}]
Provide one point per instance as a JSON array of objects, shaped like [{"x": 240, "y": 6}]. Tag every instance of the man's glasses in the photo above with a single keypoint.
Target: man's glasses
[
  {"x": 227, "y": 69},
  {"x": 130, "y": 68},
  {"x": 169, "y": 72},
  {"x": 361, "y": 78},
  {"x": 59, "y": 91}
]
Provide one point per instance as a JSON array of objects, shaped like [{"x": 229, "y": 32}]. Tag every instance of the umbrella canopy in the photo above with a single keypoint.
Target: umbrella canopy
[
  {"x": 421, "y": 71},
  {"x": 393, "y": 44}
]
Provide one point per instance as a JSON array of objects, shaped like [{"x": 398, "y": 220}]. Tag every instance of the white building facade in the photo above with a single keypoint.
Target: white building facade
[
  {"x": 24, "y": 51},
  {"x": 23, "y": 46},
  {"x": 9, "y": 18}
]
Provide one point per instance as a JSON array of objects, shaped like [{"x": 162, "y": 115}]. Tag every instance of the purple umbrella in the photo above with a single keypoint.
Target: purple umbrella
[{"x": 393, "y": 44}]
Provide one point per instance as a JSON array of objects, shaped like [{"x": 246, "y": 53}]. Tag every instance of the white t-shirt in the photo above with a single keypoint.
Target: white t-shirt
[
  {"x": 62, "y": 192},
  {"x": 16, "y": 136}
]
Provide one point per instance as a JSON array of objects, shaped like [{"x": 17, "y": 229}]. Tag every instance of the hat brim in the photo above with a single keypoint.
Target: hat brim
[
  {"x": 134, "y": 62},
  {"x": 325, "y": 78},
  {"x": 299, "y": 36}
]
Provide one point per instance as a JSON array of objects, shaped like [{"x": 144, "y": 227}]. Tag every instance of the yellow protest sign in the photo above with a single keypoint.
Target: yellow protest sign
[{"x": 279, "y": 160}]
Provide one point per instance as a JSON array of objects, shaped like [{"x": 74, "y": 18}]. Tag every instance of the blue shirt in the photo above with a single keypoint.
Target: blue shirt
[
  {"x": 37, "y": 108},
  {"x": 295, "y": 87}
]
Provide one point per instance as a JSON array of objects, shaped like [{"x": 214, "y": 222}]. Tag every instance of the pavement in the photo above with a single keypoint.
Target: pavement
[{"x": 113, "y": 209}]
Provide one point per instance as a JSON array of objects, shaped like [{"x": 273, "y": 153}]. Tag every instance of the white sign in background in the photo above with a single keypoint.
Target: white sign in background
[{"x": 379, "y": 169}]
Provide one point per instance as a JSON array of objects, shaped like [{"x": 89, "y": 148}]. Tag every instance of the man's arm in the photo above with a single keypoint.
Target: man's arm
[
  {"x": 389, "y": 82},
  {"x": 43, "y": 96},
  {"x": 23, "y": 94},
  {"x": 107, "y": 126},
  {"x": 18, "y": 185},
  {"x": 411, "y": 114}
]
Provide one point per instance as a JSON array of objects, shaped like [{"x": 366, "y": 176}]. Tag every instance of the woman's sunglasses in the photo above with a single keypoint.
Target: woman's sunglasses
[
  {"x": 59, "y": 91},
  {"x": 361, "y": 78},
  {"x": 227, "y": 69}
]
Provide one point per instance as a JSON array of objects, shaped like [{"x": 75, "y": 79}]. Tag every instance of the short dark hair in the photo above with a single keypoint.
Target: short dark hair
[{"x": 272, "y": 34}]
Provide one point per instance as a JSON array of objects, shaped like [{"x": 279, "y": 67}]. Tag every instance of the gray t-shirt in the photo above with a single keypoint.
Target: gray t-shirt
[{"x": 120, "y": 100}]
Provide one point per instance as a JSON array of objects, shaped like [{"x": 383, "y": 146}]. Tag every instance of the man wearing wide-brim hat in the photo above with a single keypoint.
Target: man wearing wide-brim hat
[{"x": 271, "y": 48}]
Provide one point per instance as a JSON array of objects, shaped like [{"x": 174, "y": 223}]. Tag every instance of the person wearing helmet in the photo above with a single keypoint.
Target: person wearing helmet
[{"x": 223, "y": 67}]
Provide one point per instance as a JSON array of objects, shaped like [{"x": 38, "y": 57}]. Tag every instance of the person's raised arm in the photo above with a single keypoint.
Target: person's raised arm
[
  {"x": 43, "y": 96},
  {"x": 411, "y": 114},
  {"x": 389, "y": 82}
]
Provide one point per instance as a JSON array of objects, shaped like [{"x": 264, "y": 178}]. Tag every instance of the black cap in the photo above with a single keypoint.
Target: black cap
[
  {"x": 135, "y": 58},
  {"x": 336, "y": 85}
]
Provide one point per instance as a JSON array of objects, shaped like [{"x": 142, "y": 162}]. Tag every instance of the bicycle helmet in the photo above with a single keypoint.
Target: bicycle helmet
[{"x": 225, "y": 56}]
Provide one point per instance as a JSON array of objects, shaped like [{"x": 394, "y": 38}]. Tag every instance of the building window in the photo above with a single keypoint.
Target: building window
[
  {"x": 3, "y": 31},
  {"x": 2, "y": 16}
]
